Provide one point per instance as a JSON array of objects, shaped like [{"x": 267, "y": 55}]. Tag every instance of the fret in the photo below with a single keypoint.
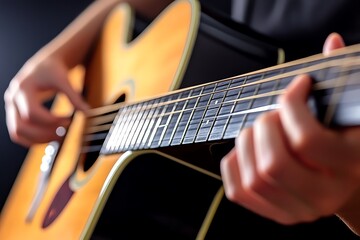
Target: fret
[
  {"x": 166, "y": 123},
  {"x": 233, "y": 126},
  {"x": 159, "y": 127},
  {"x": 267, "y": 87},
  {"x": 238, "y": 121},
  {"x": 117, "y": 133},
  {"x": 272, "y": 99},
  {"x": 219, "y": 110},
  {"x": 144, "y": 122},
  {"x": 174, "y": 119},
  {"x": 205, "y": 125},
  {"x": 133, "y": 134},
  {"x": 149, "y": 123},
  {"x": 329, "y": 95},
  {"x": 109, "y": 140},
  {"x": 131, "y": 116},
  {"x": 182, "y": 125},
  {"x": 139, "y": 126},
  {"x": 194, "y": 120},
  {"x": 202, "y": 102},
  {"x": 250, "y": 117},
  {"x": 348, "y": 110},
  {"x": 226, "y": 109}
]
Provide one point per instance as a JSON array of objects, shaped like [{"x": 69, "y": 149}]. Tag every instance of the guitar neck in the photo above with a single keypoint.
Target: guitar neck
[{"x": 219, "y": 110}]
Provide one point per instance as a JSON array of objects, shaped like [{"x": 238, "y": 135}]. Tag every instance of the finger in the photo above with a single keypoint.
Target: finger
[
  {"x": 332, "y": 42},
  {"x": 313, "y": 146},
  {"x": 75, "y": 97},
  {"x": 26, "y": 133},
  {"x": 12, "y": 123},
  {"x": 32, "y": 111},
  {"x": 302, "y": 129},
  {"x": 276, "y": 167},
  {"x": 246, "y": 194}
]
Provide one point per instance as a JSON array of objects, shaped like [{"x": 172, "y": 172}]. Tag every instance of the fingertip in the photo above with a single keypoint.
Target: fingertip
[
  {"x": 332, "y": 42},
  {"x": 298, "y": 89},
  {"x": 83, "y": 106}
]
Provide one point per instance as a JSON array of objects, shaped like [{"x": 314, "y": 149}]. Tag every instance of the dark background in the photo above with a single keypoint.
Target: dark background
[{"x": 25, "y": 26}]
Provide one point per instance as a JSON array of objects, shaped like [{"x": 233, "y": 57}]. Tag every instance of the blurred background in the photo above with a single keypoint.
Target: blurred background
[{"x": 25, "y": 26}]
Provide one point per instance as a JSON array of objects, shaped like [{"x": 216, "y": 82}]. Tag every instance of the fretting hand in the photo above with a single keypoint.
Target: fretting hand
[{"x": 290, "y": 168}]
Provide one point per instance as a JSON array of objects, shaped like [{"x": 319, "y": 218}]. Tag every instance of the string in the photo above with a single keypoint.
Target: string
[
  {"x": 317, "y": 86},
  {"x": 243, "y": 112},
  {"x": 326, "y": 84}
]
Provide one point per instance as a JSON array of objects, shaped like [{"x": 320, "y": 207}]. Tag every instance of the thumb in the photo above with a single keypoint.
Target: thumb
[
  {"x": 63, "y": 85},
  {"x": 75, "y": 97}
]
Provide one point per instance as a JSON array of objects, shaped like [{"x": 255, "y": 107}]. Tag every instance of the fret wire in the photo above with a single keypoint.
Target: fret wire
[
  {"x": 247, "y": 98},
  {"x": 150, "y": 126},
  {"x": 119, "y": 132},
  {"x": 178, "y": 134},
  {"x": 138, "y": 127},
  {"x": 253, "y": 83},
  {"x": 264, "y": 95},
  {"x": 227, "y": 129},
  {"x": 186, "y": 125},
  {"x": 192, "y": 118},
  {"x": 134, "y": 128},
  {"x": 334, "y": 98},
  {"x": 271, "y": 99},
  {"x": 166, "y": 125},
  {"x": 217, "y": 112},
  {"x": 252, "y": 101},
  {"x": 333, "y": 60},
  {"x": 144, "y": 123},
  {"x": 318, "y": 86},
  {"x": 105, "y": 145},
  {"x": 249, "y": 84},
  {"x": 156, "y": 127},
  {"x": 244, "y": 118},
  {"x": 116, "y": 127},
  {"x": 232, "y": 108},
  {"x": 127, "y": 126},
  {"x": 176, "y": 105},
  {"x": 274, "y": 93}
]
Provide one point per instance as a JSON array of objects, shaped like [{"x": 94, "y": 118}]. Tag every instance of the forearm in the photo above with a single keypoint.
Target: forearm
[{"x": 73, "y": 43}]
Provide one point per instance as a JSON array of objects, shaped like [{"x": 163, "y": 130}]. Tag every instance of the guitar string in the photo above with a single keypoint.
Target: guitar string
[
  {"x": 318, "y": 86},
  {"x": 336, "y": 54},
  {"x": 90, "y": 137},
  {"x": 326, "y": 84}
]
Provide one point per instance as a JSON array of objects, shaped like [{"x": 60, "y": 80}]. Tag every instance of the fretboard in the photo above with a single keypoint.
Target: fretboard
[{"x": 219, "y": 110}]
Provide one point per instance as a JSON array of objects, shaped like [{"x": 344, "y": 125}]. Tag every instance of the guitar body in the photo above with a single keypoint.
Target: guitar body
[{"x": 150, "y": 65}]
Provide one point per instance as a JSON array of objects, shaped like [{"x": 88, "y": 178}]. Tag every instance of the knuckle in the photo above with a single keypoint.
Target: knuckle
[
  {"x": 256, "y": 185},
  {"x": 232, "y": 193},
  {"x": 269, "y": 167},
  {"x": 305, "y": 142},
  {"x": 243, "y": 136},
  {"x": 285, "y": 99}
]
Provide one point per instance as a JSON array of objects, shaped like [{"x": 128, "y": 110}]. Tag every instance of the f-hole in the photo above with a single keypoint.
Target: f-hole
[{"x": 93, "y": 145}]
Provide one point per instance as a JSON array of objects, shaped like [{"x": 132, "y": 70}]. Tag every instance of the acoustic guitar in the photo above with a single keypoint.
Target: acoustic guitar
[{"x": 139, "y": 114}]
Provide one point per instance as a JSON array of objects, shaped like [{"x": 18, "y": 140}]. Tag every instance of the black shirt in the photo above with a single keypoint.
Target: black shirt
[{"x": 299, "y": 26}]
